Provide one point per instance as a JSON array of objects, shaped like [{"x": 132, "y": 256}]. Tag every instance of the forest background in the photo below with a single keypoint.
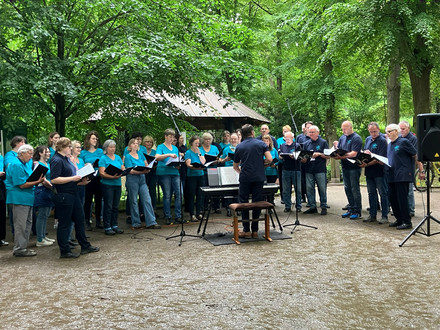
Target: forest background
[{"x": 362, "y": 60}]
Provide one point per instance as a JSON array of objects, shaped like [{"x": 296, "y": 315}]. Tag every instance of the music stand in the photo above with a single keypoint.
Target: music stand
[
  {"x": 297, "y": 223},
  {"x": 428, "y": 217},
  {"x": 182, "y": 231}
]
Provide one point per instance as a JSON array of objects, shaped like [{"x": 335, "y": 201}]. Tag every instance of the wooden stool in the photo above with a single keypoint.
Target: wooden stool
[{"x": 263, "y": 205}]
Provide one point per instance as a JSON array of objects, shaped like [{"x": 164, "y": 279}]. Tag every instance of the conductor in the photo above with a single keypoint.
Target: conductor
[{"x": 249, "y": 159}]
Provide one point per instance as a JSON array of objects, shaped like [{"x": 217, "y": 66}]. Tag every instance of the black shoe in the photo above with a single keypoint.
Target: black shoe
[
  {"x": 3, "y": 243},
  {"x": 110, "y": 232},
  {"x": 69, "y": 255},
  {"x": 311, "y": 211},
  {"x": 345, "y": 208},
  {"x": 178, "y": 220},
  {"x": 169, "y": 221},
  {"x": 307, "y": 205},
  {"x": 156, "y": 226},
  {"x": 228, "y": 213},
  {"x": 282, "y": 202},
  {"x": 118, "y": 230},
  {"x": 324, "y": 211},
  {"x": 287, "y": 210},
  {"x": 370, "y": 219},
  {"x": 72, "y": 243},
  {"x": 412, "y": 215},
  {"x": 90, "y": 249},
  {"x": 25, "y": 253},
  {"x": 394, "y": 224},
  {"x": 404, "y": 226}
]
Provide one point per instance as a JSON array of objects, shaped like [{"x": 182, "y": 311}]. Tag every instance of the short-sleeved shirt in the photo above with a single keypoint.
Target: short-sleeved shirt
[
  {"x": 213, "y": 151},
  {"x": 290, "y": 164},
  {"x": 130, "y": 161},
  {"x": 224, "y": 145},
  {"x": 162, "y": 168},
  {"x": 194, "y": 158},
  {"x": 302, "y": 139},
  {"x": 400, "y": 157},
  {"x": 61, "y": 166},
  {"x": 271, "y": 171},
  {"x": 228, "y": 150},
  {"x": 250, "y": 153},
  {"x": 319, "y": 164},
  {"x": 91, "y": 157},
  {"x": 9, "y": 156},
  {"x": 352, "y": 142},
  {"x": 48, "y": 172},
  {"x": 412, "y": 139},
  {"x": 16, "y": 175},
  {"x": 377, "y": 146},
  {"x": 105, "y": 161},
  {"x": 2, "y": 164}
]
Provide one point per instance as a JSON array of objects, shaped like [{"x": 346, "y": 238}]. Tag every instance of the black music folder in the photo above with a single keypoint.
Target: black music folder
[
  {"x": 175, "y": 162},
  {"x": 210, "y": 158},
  {"x": 36, "y": 174},
  {"x": 113, "y": 170}
]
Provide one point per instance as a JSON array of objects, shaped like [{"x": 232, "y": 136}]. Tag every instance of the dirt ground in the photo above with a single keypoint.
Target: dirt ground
[{"x": 345, "y": 274}]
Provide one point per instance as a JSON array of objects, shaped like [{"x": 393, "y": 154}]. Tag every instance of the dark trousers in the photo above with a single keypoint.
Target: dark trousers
[
  {"x": 245, "y": 189},
  {"x": 271, "y": 179},
  {"x": 151, "y": 181},
  {"x": 398, "y": 194},
  {"x": 193, "y": 183},
  {"x": 303, "y": 183},
  {"x": 280, "y": 176},
  {"x": 69, "y": 210},
  {"x": 112, "y": 196},
  {"x": 93, "y": 189},
  {"x": 2, "y": 211}
]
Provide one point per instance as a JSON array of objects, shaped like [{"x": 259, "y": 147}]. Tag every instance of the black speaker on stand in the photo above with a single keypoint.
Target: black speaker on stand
[{"x": 428, "y": 150}]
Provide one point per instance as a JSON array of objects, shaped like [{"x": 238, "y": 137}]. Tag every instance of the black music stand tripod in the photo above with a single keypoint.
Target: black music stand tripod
[
  {"x": 297, "y": 223},
  {"x": 182, "y": 231},
  {"x": 428, "y": 217}
]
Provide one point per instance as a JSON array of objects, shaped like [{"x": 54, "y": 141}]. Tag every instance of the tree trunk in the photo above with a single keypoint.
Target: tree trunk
[
  {"x": 279, "y": 61},
  {"x": 393, "y": 94},
  {"x": 329, "y": 123},
  {"x": 421, "y": 91},
  {"x": 60, "y": 114}
]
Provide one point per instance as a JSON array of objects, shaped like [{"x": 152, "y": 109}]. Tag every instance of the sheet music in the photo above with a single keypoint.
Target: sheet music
[
  {"x": 381, "y": 158},
  {"x": 150, "y": 165},
  {"x": 86, "y": 170},
  {"x": 228, "y": 176},
  {"x": 328, "y": 152}
]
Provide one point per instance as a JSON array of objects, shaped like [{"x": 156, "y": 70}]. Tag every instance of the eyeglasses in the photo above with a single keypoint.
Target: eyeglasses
[{"x": 391, "y": 131}]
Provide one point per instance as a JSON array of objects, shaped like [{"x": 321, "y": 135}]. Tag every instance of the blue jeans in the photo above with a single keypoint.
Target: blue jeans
[
  {"x": 353, "y": 189},
  {"x": 136, "y": 186},
  {"x": 43, "y": 213},
  {"x": 112, "y": 197},
  {"x": 291, "y": 178},
  {"x": 411, "y": 202},
  {"x": 171, "y": 183},
  {"x": 374, "y": 185},
  {"x": 321, "y": 182}
]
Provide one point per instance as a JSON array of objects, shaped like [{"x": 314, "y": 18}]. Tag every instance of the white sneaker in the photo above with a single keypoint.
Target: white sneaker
[
  {"x": 48, "y": 239},
  {"x": 44, "y": 243}
]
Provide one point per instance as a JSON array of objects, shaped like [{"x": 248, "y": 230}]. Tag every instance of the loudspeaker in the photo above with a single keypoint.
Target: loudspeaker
[{"x": 428, "y": 137}]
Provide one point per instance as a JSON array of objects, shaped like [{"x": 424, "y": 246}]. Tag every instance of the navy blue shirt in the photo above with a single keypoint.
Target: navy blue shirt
[
  {"x": 352, "y": 142},
  {"x": 290, "y": 164},
  {"x": 400, "y": 157},
  {"x": 250, "y": 153},
  {"x": 61, "y": 166},
  {"x": 412, "y": 139},
  {"x": 318, "y": 165},
  {"x": 302, "y": 139},
  {"x": 378, "y": 146}
]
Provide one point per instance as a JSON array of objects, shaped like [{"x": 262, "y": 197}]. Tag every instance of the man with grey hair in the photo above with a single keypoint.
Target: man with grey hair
[
  {"x": 405, "y": 132},
  {"x": 316, "y": 170},
  {"x": 400, "y": 154},
  {"x": 20, "y": 195},
  {"x": 351, "y": 142},
  {"x": 264, "y": 130}
]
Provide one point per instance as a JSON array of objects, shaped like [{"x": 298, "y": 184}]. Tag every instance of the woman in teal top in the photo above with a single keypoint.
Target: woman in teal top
[
  {"x": 230, "y": 149},
  {"x": 2, "y": 205},
  {"x": 111, "y": 187},
  {"x": 195, "y": 177},
  {"x": 169, "y": 177},
  {"x": 43, "y": 197},
  {"x": 20, "y": 194},
  {"x": 52, "y": 142},
  {"x": 136, "y": 185},
  {"x": 271, "y": 169},
  {"x": 90, "y": 154},
  {"x": 226, "y": 141},
  {"x": 138, "y": 137},
  {"x": 212, "y": 150},
  {"x": 151, "y": 177}
]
